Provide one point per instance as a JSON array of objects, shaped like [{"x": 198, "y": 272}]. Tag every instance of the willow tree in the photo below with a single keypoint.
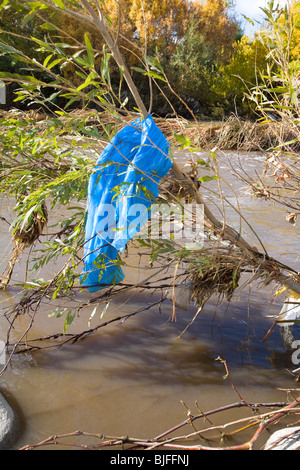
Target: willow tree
[
  {"x": 42, "y": 168},
  {"x": 276, "y": 100}
]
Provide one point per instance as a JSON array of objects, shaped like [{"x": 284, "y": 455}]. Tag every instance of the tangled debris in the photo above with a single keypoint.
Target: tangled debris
[
  {"x": 24, "y": 237},
  {"x": 221, "y": 278}
]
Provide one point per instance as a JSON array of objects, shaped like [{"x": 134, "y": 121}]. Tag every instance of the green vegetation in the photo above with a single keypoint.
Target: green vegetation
[
  {"x": 76, "y": 72},
  {"x": 200, "y": 45},
  {"x": 194, "y": 42},
  {"x": 83, "y": 73}
]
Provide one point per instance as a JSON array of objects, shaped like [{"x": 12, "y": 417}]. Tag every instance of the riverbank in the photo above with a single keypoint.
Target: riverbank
[
  {"x": 233, "y": 133},
  {"x": 76, "y": 386}
]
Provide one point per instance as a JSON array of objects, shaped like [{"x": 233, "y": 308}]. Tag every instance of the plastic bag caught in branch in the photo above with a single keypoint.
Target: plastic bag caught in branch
[{"x": 121, "y": 191}]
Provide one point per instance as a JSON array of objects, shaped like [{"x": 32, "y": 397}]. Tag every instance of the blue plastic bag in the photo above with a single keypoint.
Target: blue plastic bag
[{"x": 121, "y": 191}]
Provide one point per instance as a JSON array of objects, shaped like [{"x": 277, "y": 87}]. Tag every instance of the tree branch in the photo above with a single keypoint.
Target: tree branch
[
  {"x": 224, "y": 231},
  {"x": 100, "y": 26}
]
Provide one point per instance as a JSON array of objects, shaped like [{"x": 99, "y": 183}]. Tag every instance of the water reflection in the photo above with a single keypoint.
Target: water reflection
[{"x": 130, "y": 377}]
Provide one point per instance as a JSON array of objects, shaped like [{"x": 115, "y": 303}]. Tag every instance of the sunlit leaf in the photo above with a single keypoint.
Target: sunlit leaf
[
  {"x": 90, "y": 49},
  {"x": 59, "y": 3}
]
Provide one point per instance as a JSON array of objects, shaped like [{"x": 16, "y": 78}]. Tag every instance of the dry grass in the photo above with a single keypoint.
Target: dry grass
[
  {"x": 231, "y": 134},
  {"x": 252, "y": 136},
  {"x": 219, "y": 275}
]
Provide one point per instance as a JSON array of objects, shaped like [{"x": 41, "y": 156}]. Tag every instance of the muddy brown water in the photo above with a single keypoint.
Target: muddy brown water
[{"x": 134, "y": 377}]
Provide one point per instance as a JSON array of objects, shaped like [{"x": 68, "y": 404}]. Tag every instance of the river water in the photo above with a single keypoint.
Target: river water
[{"x": 137, "y": 377}]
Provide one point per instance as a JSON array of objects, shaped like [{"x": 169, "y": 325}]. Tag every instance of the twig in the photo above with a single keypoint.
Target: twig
[
  {"x": 74, "y": 338},
  {"x": 230, "y": 380},
  {"x": 262, "y": 420}
]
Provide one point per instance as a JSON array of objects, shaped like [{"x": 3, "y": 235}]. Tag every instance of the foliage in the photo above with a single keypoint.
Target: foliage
[
  {"x": 276, "y": 99},
  {"x": 145, "y": 28},
  {"x": 218, "y": 26},
  {"x": 194, "y": 58},
  {"x": 42, "y": 172},
  {"x": 206, "y": 47},
  {"x": 161, "y": 22},
  {"x": 242, "y": 72},
  {"x": 295, "y": 37},
  {"x": 49, "y": 160},
  {"x": 278, "y": 89}
]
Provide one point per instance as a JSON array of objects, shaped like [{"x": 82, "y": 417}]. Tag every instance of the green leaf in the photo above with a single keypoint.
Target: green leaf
[
  {"x": 10, "y": 50},
  {"x": 156, "y": 75},
  {"x": 27, "y": 217},
  {"x": 90, "y": 50},
  {"x": 138, "y": 69},
  {"x": 54, "y": 63},
  {"x": 294, "y": 96},
  {"x": 69, "y": 320},
  {"x": 72, "y": 100},
  {"x": 181, "y": 138},
  {"x": 248, "y": 19},
  {"x": 105, "y": 73},
  {"x": 185, "y": 141},
  {"x": 92, "y": 315},
  {"x": 104, "y": 311},
  {"x": 151, "y": 73},
  {"x": 285, "y": 144},
  {"x": 46, "y": 61},
  {"x": 59, "y": 3},
  {"x": 207, "y": 178},
  {"x": 48, "y": 27},
  {"x": 55, "y": 293},
  {"x": 28, "y": 17},
  {"x": 279, "y": 89},
  {"x": 4, "y": 4},
  {"x": 88, "y": 81},
  {"x": 54, "y": 313}
]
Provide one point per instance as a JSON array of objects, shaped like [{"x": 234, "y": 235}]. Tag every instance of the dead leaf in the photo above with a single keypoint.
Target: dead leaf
[{"x": 292, "y": 217}]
